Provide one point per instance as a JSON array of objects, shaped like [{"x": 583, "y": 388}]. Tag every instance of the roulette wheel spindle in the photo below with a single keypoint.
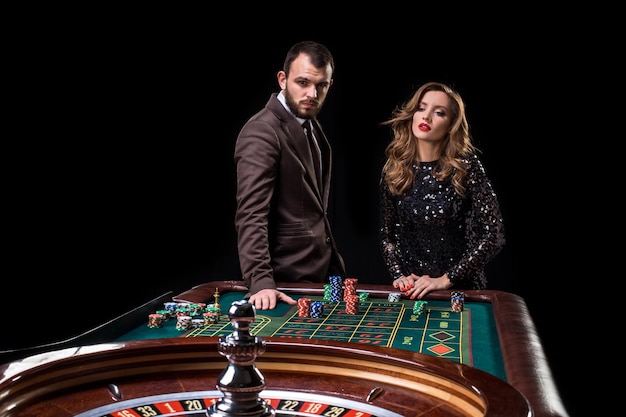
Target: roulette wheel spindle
[{"x": 241, "y": 381}]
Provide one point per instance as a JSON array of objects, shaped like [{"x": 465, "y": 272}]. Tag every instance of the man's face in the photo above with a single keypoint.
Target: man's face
[{"x": 306, "y": 88}]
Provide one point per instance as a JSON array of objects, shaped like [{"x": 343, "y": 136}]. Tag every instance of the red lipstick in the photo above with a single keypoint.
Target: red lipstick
[{"x": 424, "y": 127}]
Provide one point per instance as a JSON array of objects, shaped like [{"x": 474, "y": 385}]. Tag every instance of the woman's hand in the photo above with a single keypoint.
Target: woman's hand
[{"x": 421, "y": 285}]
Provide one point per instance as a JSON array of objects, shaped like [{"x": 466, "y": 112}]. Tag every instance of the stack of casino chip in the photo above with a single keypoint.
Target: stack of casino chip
[
  {"x": 457, "y": 300},
  {"x": 182, "y": 311},
  {"x": 326, "y": 292},
  {"x": 155, "y": 320},
  {"x": 352, "y": 304},
  {"x": 195, "y": 309},
  {"x": 394, "y": 296},
  {"x": 211, "y": 314},
  {"x": 183, "y": 322},
  {"x": 364, "y": 296},
  {"x": 336, "y": 288},
  {"x": 166, "y": 314},
  {"x": 214, "y": 308},
  {"x": 304, "y": 307},
  {"x": 317, "y": 309},
  {"x": 419, "y": 307},
  {"x": 349, "y": 288},
  {"x": 171, "y": 307}
]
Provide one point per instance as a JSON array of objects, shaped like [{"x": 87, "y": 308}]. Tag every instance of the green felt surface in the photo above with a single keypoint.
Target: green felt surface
[{"x": 469, "y": 337}]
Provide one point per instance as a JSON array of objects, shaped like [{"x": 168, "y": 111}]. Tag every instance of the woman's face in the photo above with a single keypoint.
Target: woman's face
[{"x": 431, "y": 120}]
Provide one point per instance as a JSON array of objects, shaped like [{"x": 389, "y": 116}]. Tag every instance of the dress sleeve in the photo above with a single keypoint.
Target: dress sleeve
[
  {"x": 389, "y": 237},
  {"x": 485, "y": 226}
]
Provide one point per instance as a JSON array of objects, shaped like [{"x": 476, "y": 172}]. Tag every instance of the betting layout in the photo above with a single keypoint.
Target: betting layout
[
  {"x": 437, "y": 331},
  {"x": 343, "y": 313}
]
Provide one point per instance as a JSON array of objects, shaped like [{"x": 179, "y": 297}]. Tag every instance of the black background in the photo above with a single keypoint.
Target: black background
[{"x": 121, "y": 179}]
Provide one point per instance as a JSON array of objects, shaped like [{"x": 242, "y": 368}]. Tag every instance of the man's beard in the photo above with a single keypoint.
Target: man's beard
[{"x": 293, "y": 106}]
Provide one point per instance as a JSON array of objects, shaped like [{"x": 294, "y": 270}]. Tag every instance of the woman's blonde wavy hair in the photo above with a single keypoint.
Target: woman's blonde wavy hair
[{"x": 402, "y": 151}]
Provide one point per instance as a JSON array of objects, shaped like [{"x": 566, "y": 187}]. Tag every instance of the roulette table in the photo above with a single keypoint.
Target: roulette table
[
  {"x": 111, "y": 371},
  {"x": 467, "y": 337}
]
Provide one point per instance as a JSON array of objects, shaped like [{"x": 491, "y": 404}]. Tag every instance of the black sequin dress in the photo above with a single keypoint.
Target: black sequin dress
[{"x": 433, "y": 231}]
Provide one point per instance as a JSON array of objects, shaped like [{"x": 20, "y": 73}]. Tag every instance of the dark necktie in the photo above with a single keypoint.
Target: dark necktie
[{"x": 315, "y": 149}]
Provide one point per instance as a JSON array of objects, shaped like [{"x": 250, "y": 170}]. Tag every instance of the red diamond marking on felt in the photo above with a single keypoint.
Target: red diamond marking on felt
[{"x": 440, "y": 349}]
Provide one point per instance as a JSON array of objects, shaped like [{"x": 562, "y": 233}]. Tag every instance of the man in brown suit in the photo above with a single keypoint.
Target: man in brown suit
[{"x": 283, "y": 183}]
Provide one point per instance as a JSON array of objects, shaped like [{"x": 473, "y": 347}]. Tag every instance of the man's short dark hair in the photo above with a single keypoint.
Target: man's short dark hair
[{"x": 320, "y": 55}]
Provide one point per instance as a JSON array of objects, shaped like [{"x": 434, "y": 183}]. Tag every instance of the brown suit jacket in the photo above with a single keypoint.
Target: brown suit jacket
[{"x": 283, "y": 232}]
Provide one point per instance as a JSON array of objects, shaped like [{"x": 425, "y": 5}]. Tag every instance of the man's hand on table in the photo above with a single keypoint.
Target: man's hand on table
[{"x": 268, "y": 299}]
